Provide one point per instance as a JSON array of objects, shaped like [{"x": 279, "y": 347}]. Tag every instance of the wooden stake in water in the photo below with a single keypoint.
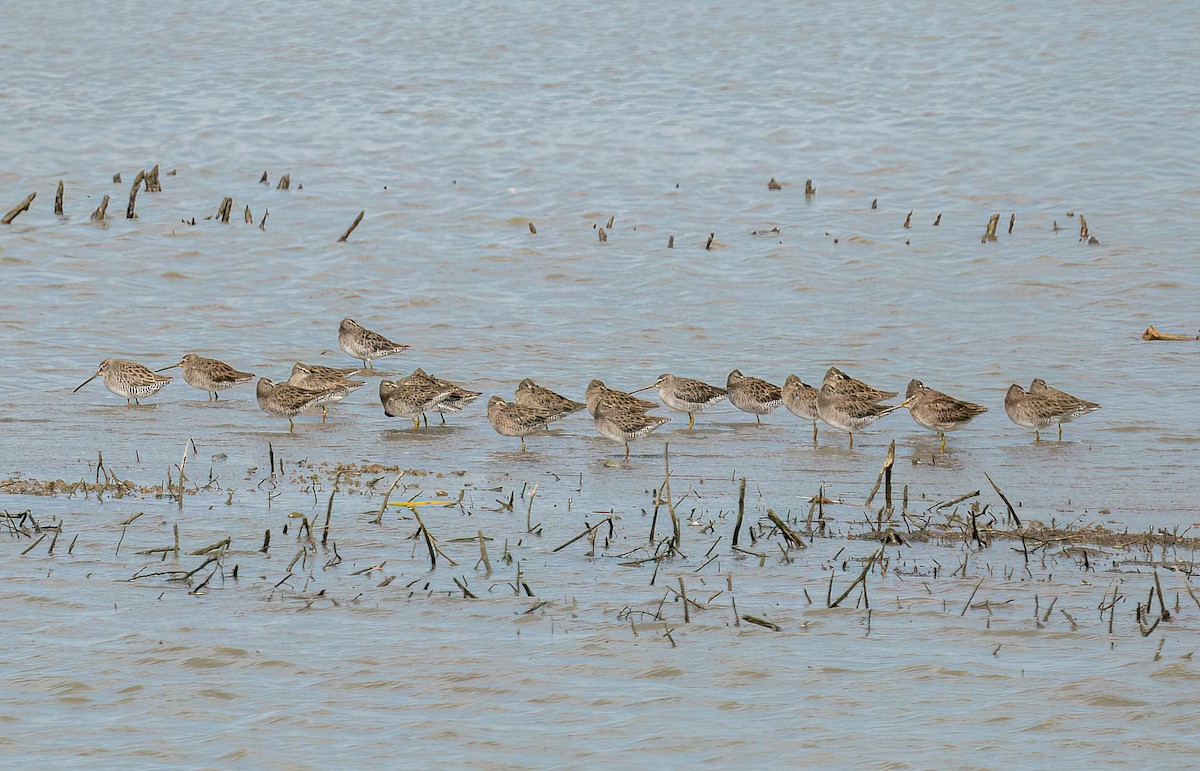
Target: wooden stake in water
[
  {"x": 58, "y": 199},
  {"x": 22, "y": 206},
  {"x": 737, "y": 526},
  {"x": 101, "y": 211},
  {"x": 133, "y": 191},
  {"x": 353, "y": 225}
]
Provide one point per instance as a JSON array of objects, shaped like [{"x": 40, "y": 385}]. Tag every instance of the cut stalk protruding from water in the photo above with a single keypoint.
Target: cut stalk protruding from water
[
  {"x": 101, "y": 211},
  {"x": 874, "y": 204},
  {"x": 353, "y": 225},
  {"x": 58, "y": 199},
  {"x": 937, "y": 220},
  {"x": 262, "y": 223},
  {"x": 133, "y": 191},
  {"x": 1012, "y": 220},
  {"x": 990, "y": 233},
  {"x": 117, "y": 178},
  {"x": 247, "y": 217},
  {"x": 908, "y": 219},
  {"x": 1012, "y": 513},
  {"x": 603, "y": 235},
  {"x": 711, "y": 238},
  {"x": 265, "y": 179},
  {"x": 761, "y": 622},
  {"x": 151, "y": 180},
  {"x": 1083, "y": 228},
  {"x": 671, "y": 242},
  {"x": 885, "y": 473},
  {"x": 809, "y": 189},
  {"x": 285, "y": 182},
  {"x": 532, "y": 229},
  {"x": 737, "y": 526},
  {"x": 1152, "y": 333},
  {"x": 607, "y": 520},
  {"x": 22, "y": 206},
  {"x": 862, "y": 577},
  {"x": 225, "y": 209},
  {"x": 611, "y": 220},
  {"x": 788, "y": 534},
  {"x": 773, "y": 185}
]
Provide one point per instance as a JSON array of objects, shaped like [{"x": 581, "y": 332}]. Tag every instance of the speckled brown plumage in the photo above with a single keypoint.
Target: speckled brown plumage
[
  {"x": 753, "y": 395},
  {"x": 598, "y": 392}
]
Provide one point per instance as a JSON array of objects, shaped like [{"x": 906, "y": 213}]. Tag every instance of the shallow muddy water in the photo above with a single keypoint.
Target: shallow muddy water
[{"x": 454, "y": 128}]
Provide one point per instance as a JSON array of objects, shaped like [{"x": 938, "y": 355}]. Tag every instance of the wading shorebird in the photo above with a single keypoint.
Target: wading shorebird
[
  {"x": 621, "y": 424},
  {"x": 515, "y": 420},
  {"x": 412, "y": 398},
  {"x": 128, "y": 379},
  {"x": 209, "y": 375},
  {"x": 330, "y": 380},
  {"x": 1080, "y": 407},
  {"x": 458, "y": 398},
  {"x": 850, "y": 405},
  {"x": 365, "y": 345},
  {"x": 1038, "y": 410},
  {"x": 286, "y": 401},
  {"x": 842, "y": 384},
  {"x": 530, "y": 394},
  {"x": 750, "y": 394},
  {"x": 597, "y": 392},
  {"x": 683, "y": 394},
  {"x": 800, "y": 399},
  {"x": 937, "y": 411}
]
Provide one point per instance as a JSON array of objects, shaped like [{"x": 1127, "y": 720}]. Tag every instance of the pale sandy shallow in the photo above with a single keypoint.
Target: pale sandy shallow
[{"x": 454, "y": 128}]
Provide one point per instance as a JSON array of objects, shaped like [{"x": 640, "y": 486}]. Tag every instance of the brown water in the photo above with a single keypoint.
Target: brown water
[{"x": 454, "y": 128}]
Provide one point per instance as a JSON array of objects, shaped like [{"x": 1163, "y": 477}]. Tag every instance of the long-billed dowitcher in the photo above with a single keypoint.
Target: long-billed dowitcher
[
  {"x": 509, "y": 419},
  {"x": 1081, "y": 407},
  {"x": 286, "y": 401},
  {"x": 598, "y": 392},
  {"x": 846, "y": 405},
  {"x": 937, "y": 411},
  {"x": 801, "y": 400},
  {"x": 842, "y": 384},
  {"x": 623, "y": 425},
  {"x": 458, "y": 398},
  {"x": 209, "y": 375},
  {"x": 1040, "y": 410},
  {"x": 412, "y": 398},
  {"x": 683, "y": 394},
  {"x": 750, "y": 394},
  {"x": 365, "y": 345},
  {"x": 315, "y": 377},
  {"x": 127, "y": 378},
  {"x": 329, "y": 380},
  {"x": 530, "y": 394}
]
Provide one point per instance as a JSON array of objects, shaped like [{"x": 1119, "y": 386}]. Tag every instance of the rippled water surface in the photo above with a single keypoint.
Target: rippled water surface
[{"x": 453, "y": 127}]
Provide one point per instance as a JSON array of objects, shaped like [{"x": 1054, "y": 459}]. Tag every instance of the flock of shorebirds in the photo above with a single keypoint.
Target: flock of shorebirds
[{"x": 841, "y": 402}]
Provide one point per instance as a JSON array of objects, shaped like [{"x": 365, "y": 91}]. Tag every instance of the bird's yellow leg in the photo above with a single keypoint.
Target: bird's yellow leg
[
  {"x": 852, "y": 441},
  {"x": 626, "y": 451},
  {"x": 1060, "y": 432},
  {"x": 758, "y": 420},
  {"x": 1037, "y": 435},
  {"x": 291, "y": 425},
  {"x": 323, "y": 413},
  {"x": 814, "y": 432},
  {"x": 522, "y": 444},
  {"x": 691, "y": 420},
  {"x": 943, "y": 442}
]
